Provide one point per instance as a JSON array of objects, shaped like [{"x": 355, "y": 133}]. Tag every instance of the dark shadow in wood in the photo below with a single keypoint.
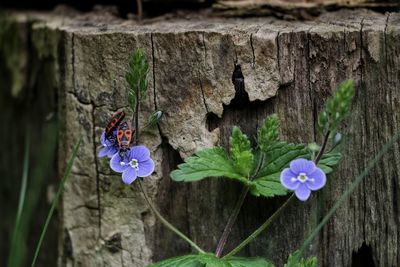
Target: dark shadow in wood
[{"x": 363, "y": 257}]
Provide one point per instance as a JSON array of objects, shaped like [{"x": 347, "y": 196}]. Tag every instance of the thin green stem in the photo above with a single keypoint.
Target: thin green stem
[
  {"x": 55, "y": 201},
  {"x": 231, "y": 221},
  {"x": 236, "y": 210},
  {"x": 22, "y": 194},
  {"x": 322, "y": 150},
  {"x": 276, "y": 213},
  {"x": 136, "y": 115},
  {"x": 260, "y": 229},
  {"x": 166, "y": 223}
]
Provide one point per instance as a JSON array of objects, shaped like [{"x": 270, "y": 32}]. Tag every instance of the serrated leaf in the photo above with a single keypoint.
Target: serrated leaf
[
  {"x": 329, "y": 161},
  {"x": 277, "y": 157},
  {"x": 268, "y": 134},
  {"x": 181, "y": 261},
  {"x": 132, "y": 99},
  {"x": 210, "y": 162},
  {"x": 258, "y": 162},
  {"x": 241, "y": 152},
  {"x": 136, "y": 75},
  {"x": 294, "y": 261},
  {"x": 249, "y": 262},
  {"x": 280, "y": 155},
  {"x": 268, "y": 187},
  {"x": 210, "y": 260}
]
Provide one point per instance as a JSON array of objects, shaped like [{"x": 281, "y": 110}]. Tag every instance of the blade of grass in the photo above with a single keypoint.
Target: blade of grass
[
  {"x": 55, "y": 201},
  {"x": 22, "y": 194},
  {"x": 346, "y": 194},
  {"x": 39, "y": 176}
]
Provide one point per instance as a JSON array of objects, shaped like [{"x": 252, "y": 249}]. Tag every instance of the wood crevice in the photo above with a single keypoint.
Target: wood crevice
[{"x": 96, "y": 166}]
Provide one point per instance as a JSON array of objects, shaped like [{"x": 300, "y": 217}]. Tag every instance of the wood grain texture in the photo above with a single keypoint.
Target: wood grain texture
[
  {"x": 293, "y": 9},
  {"x": 290, "y": 68}
]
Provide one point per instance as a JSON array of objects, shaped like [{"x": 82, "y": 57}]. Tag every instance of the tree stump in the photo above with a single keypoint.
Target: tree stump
[{"x": 290, "y": 68}]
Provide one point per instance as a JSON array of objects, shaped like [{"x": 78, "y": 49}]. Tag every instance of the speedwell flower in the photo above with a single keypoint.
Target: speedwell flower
[
  {"x": 135, "y": 162},
  {"x": 109, "y": 148},
  {"x": 302, "y": 177}
]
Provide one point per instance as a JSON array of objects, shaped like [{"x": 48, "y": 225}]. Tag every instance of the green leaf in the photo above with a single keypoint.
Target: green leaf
[
  {"x": 241, "y": 152},
  {"x": 329, "y": 161},
  {"x": 210, "y": 162},
  {"x": 277, "y": 157},
  {"x": 280, "y": 155},
  {"x": 210, "y": 260},
  {"x": 337, "y": 107},
  {"x": 268, "y": 134},
  {"x": 323, "y": 121},
  {"x": 293, "y": 262},
  {"x": 268, "y": 187},
  {"x": 136, "y": 76},
  {"x": 249, "y": 262},
  {"x": 181, "y": 261},
  {"x": 132, "y": 99}
]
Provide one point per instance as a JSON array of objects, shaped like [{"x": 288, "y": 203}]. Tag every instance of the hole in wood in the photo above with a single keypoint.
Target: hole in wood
[{"x": 363, "y": 257}]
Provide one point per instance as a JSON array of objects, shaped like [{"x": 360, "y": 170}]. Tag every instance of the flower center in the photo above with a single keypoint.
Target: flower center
[
  {"x": 302, "y": 177},
  {"x": 134, "y": 164}
]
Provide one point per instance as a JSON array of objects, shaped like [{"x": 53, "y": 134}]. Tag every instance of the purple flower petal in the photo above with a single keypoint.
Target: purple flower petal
[
  {"x": 105, "y": 141},
  {"x": 104, "y": 152},
  {"x": 112, "y": 151},
  {"x": 146, "y": 168},
  {"x": 286, "y": 179},
  {"x": 115, "y": 164},
  {"x": 140, "y": 153},
  {"x": 103, "y": 138},
  {"x": 319, "y": 179},
  {"x": 298, "y": 166},
  {"x": 129, "y": 175},
  {"x": 302, "y": 192}
]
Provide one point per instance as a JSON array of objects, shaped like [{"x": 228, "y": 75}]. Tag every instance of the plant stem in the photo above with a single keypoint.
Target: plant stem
[
  {"x": 236, "y": 210},
  {"x": 166, "y": 223},
  {"x": 260, "y": 229},
  {"x": 276, "y": 213},
  {"x": 321, "y": 152},
  {"x": 231, "y": 221},
  {"x": 136, "y": 115}
]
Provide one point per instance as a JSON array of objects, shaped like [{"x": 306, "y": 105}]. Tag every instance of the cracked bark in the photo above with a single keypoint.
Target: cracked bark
[{"x": 290, "y": 68}]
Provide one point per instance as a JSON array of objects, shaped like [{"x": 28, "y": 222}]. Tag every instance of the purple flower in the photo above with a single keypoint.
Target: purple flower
[
  {"x": 302, "y": 177},
  {"x": 109, "y": 148},
  {"x": 136, "y": 162}
]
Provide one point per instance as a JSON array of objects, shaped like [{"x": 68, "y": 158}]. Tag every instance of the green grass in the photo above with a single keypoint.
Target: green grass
[
  {"x": 16, "y": 236},
  {"x": 55, "y": 201}
]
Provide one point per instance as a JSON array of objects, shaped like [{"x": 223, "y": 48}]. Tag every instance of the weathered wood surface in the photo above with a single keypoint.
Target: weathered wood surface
[
  {"x": 293, "y": 8},
  {"x": 290, "y": 68}
]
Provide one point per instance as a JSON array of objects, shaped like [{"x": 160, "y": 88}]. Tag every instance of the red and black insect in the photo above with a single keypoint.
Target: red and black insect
[
  {"x": 124, "y": 137},
  {"x": 113, "y": 124}
]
